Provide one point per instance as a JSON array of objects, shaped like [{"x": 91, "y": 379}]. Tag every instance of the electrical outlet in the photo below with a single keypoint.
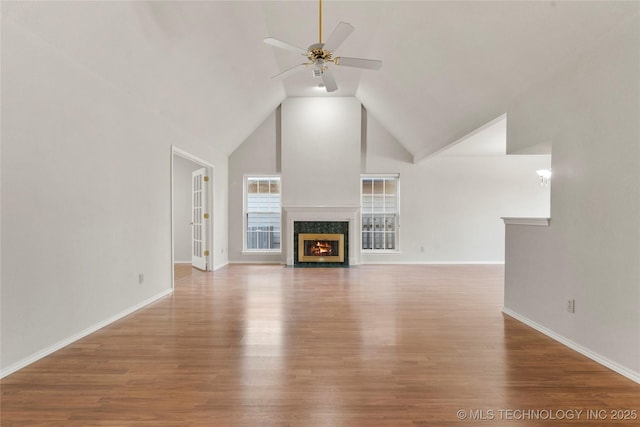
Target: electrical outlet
[
  {"x": 571, "y": 305},
  {"x": 141, "y": 278}
]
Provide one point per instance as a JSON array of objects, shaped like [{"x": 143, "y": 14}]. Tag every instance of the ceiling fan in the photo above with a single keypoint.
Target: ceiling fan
[{"x": 321, "y": 54}]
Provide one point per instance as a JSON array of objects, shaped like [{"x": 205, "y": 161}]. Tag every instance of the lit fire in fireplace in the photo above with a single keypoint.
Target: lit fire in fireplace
[{"x": 321, "y": 248}]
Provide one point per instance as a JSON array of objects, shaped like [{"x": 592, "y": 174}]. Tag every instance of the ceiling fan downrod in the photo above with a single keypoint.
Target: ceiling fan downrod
[{"x": 320, "y": 22}]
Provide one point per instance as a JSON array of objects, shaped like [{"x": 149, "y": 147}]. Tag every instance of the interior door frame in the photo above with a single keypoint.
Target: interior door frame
[{"x": 175, "y": 151}]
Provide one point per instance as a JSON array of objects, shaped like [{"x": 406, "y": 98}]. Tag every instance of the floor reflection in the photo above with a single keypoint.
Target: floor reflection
[{"x": 252, "y": 345}]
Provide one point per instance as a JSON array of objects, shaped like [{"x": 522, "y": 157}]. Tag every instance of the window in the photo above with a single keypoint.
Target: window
[
  {"x": 262, "y": 213},
  {"x": 380, "y": 209}
]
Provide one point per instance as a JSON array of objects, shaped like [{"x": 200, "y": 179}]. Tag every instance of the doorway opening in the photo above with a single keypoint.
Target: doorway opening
[{"x": 192, "y": 218}]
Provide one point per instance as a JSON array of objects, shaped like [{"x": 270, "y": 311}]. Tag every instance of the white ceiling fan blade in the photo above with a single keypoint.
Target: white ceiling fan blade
[
  {"x": 369, "y": 64},
  {"x": 283, "y": 45},
  {"x": 339, "y": 35},
  {"x": 290, "y": 71},
  {"x": 329, "y": 81}
]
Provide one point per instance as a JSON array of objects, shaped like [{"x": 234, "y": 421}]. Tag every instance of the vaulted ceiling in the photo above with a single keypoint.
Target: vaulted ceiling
[{"x": 449, "y": 67}]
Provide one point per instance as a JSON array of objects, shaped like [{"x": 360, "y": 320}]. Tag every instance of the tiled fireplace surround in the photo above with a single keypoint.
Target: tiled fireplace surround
[{"x": 350, "y": 214}]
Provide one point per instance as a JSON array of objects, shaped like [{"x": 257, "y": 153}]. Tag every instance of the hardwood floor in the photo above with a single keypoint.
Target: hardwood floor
[{"x": 368, "y": 346}]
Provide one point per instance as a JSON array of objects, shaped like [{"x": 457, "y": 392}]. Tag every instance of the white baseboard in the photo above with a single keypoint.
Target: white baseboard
[
  {"x": 385, "y": 262},
  {"x": 626, "y": 372},
  {"x": 218, "y": 267},
  {"x": 432, "y": 262},
  {"x": 65, "y": 342},
  {"x": 263, "y": 262}
]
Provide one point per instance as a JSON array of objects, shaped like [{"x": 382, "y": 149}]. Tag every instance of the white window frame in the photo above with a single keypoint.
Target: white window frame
[
  {"x": 246, "y": 179},
  {"x": 396, "y": 249}
]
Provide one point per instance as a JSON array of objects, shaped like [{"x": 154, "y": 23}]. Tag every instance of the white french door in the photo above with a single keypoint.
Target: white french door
[{"x": 199, "y": 218}]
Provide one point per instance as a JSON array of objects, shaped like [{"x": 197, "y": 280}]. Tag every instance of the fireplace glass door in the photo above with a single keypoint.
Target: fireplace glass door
[{"x": 320, "y": 247}]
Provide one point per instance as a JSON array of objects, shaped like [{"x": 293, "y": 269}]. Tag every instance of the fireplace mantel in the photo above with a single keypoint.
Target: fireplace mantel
[{"x": 350, "y": 214}]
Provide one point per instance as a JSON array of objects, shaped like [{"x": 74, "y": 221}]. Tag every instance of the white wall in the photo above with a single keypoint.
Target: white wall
[
  {"x": 256, "y": 156},
  {"x": 320, "y": 161},
  {"x": 321, "y": 152},
  {"x": 86, "y": 198},
  {"x": 182, "y": 210},
  {"x": 451, "y": 205},
  {"x": 591, "y": 250}
]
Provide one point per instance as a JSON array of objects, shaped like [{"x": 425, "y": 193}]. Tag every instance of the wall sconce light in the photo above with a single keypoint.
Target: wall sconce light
[{"x": 545, "y": 176}]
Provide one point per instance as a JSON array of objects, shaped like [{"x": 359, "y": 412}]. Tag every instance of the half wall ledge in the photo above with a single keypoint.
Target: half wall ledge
[{"x": 540, "y": 222}]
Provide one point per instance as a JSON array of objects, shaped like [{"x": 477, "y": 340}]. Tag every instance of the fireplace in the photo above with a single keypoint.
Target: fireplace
[
  {"x": 343, "y": 220},
  {"x": 321, "y": 244},
  {"x": 320, "y": 247}
]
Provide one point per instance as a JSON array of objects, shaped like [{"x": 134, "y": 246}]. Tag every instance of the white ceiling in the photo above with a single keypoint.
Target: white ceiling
[{"x": 449, "y": 67}]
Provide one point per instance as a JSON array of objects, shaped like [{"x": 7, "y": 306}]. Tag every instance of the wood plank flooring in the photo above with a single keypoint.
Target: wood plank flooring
[{"x": 252, "y": 345}]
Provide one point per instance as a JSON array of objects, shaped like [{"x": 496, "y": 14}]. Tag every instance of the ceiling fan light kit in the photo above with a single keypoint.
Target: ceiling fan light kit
[{"x": 321, "y": 54}]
